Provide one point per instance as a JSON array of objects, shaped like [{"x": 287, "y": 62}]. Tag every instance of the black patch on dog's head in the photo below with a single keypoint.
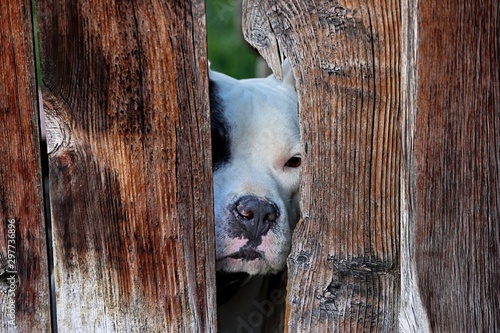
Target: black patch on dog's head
[{"x": 219, "y": 127}]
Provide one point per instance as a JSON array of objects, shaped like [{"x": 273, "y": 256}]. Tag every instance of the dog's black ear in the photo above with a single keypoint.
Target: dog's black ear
[{"x": 219, "y": 128}]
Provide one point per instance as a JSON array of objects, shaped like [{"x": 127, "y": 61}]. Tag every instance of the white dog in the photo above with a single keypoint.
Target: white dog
[{"x": 256, "y": 163}]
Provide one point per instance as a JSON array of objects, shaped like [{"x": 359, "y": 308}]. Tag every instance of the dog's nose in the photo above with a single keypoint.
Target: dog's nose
[{"x": 256, "y": 214}]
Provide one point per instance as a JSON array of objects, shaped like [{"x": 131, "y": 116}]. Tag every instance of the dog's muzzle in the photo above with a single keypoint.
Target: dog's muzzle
[{"x": 252, "y": 218}]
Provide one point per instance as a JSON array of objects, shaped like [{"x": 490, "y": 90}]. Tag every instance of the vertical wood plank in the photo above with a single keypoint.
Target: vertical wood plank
[
  {"x": 454, "y": 165},
  {"x": 125, "y": 91},
  {"x": 344, "y": 265},
  {"x": 24, "y": 287},
  {"x": 412, "y": 314}
]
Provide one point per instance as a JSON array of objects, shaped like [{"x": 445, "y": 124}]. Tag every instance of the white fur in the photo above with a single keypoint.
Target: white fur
[{"x": 264, "y": 131}]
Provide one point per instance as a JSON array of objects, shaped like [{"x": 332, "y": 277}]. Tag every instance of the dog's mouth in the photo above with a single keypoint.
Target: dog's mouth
[
  {"x": 248, "y": 259},
  {"x": 247, "y": 254}
]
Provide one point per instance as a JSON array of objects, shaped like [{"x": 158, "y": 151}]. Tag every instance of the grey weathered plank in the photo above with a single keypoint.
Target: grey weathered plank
[{"x": 344, "y": 265}]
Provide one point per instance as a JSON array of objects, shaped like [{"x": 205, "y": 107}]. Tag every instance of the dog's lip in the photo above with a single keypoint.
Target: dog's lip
[{"x": 246, "y": 255}]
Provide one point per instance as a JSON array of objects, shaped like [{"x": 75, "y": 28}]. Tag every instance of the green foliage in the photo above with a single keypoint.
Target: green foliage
[
  {"x": 227, "y": 50},
  {"x": 38, "y": 69}
]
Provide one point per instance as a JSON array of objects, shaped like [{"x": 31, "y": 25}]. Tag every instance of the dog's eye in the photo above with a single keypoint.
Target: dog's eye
[{"x": 294, "y": 162}]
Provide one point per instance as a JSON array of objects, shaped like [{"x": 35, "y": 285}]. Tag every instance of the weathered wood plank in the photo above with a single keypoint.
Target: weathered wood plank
[
  {"x": 412, "y": 315},
  {"x": 454, "y": 173},
  {"x": 24, "y": 296},
  {"x": 344, "y": 265},
  {"x": 125, "y": 91}
]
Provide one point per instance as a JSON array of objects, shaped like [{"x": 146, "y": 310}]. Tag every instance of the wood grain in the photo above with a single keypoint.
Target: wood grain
[
  {"x": 412, "y": 314},
  {"x": 125, "y": 92},
  {"x": 344, "y": 265},
  {"x": 24, "y": 296},
  {"x": 455, "y": 174}
]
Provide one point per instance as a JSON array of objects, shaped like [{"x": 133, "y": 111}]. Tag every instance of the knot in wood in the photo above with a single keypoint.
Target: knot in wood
[
  {"x": 260, "y": 38},
  {"x": 65, "y": 159},
  {"x": 302, "y": 258}
]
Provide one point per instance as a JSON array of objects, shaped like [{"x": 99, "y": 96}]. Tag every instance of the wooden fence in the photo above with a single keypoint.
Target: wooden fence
[{"x": 400, "y": 119}]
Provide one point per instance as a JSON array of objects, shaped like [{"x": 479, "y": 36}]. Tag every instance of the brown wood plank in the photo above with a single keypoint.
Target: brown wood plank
[
  {"x": 24, "y": 296},
  {"x": 455, "y": 164},
  {"x": 125, "y": 91},
  {"x": 344, "y": 265}
]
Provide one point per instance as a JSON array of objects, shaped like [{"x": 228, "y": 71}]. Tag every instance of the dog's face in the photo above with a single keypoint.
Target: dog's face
[{"x": 256, "y": 162}]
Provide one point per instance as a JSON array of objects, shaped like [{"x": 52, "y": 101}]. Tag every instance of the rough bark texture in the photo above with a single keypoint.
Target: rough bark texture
[
  {"x": 24, "y": 288},
  {"x": 125, "y": 93},
  {"x": 454, "y": 165},
  {"x": 343, "y": 269}
]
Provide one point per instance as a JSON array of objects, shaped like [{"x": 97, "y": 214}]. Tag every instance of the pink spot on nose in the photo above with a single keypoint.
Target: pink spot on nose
[{"x": 245, "y": 213}]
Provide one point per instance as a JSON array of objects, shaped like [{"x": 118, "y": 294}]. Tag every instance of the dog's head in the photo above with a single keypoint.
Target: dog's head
[{"x": 256, "y": 163}]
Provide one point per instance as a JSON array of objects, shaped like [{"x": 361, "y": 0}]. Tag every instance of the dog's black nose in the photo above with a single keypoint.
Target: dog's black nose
[{"x": 256, "y": 214}]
